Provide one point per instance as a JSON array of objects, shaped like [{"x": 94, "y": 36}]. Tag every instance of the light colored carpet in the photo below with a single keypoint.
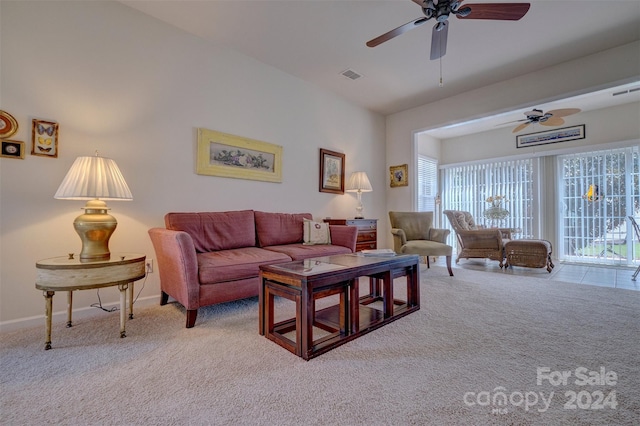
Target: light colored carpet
[{"x": 477, "y": 334}]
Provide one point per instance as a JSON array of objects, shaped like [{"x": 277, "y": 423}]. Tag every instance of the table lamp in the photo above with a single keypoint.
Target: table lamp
[
  {"x": 359, "y": 183},
  {"x": 94, "y": 179}
]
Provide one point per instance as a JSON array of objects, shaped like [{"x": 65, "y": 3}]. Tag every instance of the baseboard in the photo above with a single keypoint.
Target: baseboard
[{"x": 80, "y": 313}]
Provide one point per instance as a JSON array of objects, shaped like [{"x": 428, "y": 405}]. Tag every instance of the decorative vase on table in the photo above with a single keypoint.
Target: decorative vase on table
[{"x": 496, "y": 213}]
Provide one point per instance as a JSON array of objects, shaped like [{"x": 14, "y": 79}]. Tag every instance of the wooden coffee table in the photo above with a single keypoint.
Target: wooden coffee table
[{"x": 306, "y": 281}]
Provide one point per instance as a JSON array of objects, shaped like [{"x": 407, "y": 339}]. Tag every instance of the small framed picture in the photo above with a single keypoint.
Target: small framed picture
[
  {"x": 551, "y": 136},
  {"x": 12, "y": 149},
  {"x": 44, "y": 138},
  {"x": 8, "y": 124},
  {"x": 399, "y": 175},
  {"x": 331, "y": 171}
]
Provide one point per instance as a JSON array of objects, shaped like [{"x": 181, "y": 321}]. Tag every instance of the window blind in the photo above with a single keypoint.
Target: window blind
[{"x": 427, "y": 183}]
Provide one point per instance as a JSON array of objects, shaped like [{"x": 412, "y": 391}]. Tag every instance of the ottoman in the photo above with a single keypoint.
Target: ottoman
[{"x": 528, "y": 253}]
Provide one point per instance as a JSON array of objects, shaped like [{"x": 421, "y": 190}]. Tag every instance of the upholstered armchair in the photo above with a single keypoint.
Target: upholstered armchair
[
  {"x": 475, "y": 241},
  {"x": 413, "y": 233}
]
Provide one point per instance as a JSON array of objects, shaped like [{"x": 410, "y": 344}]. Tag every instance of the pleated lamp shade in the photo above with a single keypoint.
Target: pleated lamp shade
[
  {"x": 94, "y": 179},
  {"x": 359, "y": 181}
]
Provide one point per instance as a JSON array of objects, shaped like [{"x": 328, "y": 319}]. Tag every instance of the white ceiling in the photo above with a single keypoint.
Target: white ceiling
[{"x": 316, "y": 40}]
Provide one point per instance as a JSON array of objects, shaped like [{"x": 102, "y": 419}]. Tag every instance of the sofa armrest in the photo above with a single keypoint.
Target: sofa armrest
[
  {"x": 344, "y": 235},
  {"x": 399, "y": 239},
  {"x": 438, "y": 235},
  {"x": 177, "y": 265}
]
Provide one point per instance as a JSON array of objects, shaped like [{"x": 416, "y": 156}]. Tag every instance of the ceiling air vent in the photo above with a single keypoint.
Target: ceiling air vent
[
  {"x": 351, "y": 74},
  {"x": 635, "y": 89}
]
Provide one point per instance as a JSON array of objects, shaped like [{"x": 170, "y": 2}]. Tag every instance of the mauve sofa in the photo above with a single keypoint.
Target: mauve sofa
[{"x": 215, "y": 257}]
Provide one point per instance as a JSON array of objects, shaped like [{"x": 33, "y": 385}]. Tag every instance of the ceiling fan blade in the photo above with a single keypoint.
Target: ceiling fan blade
[
  {"x": 439, "y": 40},
  {"x": 396, "y": 32},
  {"x": 564, "y": 112},
  {"x": 553, "y": 121},
  {"x": 520, "y": 127},
  {"x": 511, "y": 122},
  {"x": 419, "y": 2},
  {"x": 498, "y": 11}
]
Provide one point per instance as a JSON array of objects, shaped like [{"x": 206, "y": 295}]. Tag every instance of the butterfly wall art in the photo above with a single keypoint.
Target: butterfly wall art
[{"x": 44, "y": 138}]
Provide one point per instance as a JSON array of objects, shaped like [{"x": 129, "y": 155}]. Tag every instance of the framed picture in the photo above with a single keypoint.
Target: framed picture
[
  {"x": 222, "y": 154},
  {"x": 8, "y": 124},
  {"x": 551, "y": 136},
  {"x": 44, "y": 138},
  {"x": 399, "y": 175},
  {"x": 331, "y": 171},
  {"x": 12, "y": 149}
]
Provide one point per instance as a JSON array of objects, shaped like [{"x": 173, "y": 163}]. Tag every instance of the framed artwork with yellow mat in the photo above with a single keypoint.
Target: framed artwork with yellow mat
[{"x": 222, "y": 154}]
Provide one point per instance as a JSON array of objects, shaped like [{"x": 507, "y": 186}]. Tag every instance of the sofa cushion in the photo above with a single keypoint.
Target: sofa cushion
[
  {"x": 274, "y": 229},
  {"x": 215, "y": 230},
  {"x": 315, "y": 232},
  {"x": 235, "y": 264},
  {"x": 302, "y": 251}
]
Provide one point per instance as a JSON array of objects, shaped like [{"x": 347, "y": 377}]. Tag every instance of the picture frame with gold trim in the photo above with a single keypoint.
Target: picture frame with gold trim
[
  {"x": 399, "y": 175},
  {"x": 12, "y": 149},
  {"x": 44, "y": 138},
  {"x": 226, "y": 155},
  {"x": 8, "y": 124}
]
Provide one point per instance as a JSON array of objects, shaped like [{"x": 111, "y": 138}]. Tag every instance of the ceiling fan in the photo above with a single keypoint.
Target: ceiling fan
[
  {"x": 549, "y": 118},
  {"x": 440, "y": 10}
]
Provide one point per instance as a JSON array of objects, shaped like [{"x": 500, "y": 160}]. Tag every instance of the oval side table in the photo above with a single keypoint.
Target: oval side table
[{"x": 67, "y": 273}]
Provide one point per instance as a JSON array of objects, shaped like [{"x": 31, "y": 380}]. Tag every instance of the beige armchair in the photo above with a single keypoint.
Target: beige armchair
[
  {"x": 413, "y": 233},
  {"x": 475, "y": 241}
]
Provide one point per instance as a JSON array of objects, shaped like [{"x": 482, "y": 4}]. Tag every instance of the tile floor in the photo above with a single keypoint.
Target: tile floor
[{"x": 604, "y": 276}]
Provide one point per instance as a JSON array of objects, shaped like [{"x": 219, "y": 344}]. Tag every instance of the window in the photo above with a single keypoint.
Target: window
[
  {"x": 467, "y": 187},
  {"x": 427, "y": 183},
  {"x": 598, "y": 191}
]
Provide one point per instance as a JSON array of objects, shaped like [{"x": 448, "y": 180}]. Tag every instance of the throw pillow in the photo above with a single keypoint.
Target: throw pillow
[{"x": 315, "y": 232}]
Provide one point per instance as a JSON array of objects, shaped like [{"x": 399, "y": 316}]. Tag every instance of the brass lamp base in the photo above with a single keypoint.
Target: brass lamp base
[{"x": 95, "y": 227}]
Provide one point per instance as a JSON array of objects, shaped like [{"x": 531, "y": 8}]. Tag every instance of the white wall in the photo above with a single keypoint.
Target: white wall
[{"x": 136, "y": 89}]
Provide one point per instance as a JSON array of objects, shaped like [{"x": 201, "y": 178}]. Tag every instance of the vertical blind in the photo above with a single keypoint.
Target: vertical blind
[{"x": 467, "y": 188}]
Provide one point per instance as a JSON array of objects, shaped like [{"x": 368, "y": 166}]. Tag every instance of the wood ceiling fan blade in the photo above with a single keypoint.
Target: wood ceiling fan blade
[
  {"x": 439, "y": 40},
  {"x": 520, "y": 127},
  {"x": 419, "y": 2},
  {"x": 396, "y": 32},
  {"x": 553, "y": 121},
  {"x": 497, "y": 11},
  {"x": 564, "y": 112}
]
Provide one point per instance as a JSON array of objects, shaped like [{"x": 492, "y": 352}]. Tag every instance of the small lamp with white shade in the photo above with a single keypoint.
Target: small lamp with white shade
[
  {"x": 94, "y": 179},
  {"x": 359, "y": 183}
]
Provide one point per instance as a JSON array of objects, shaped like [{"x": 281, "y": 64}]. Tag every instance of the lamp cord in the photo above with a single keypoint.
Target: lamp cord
[{"x": 117, "y": 308}]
